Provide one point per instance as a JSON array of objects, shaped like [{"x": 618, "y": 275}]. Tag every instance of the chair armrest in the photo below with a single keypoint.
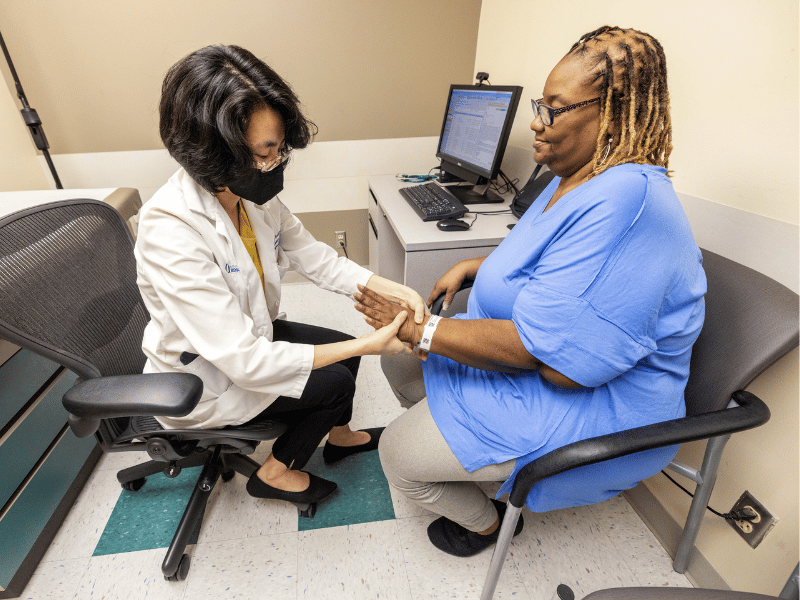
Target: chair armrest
[
  {"x": 149, "y": 394},
  {"x": 750, "y": 413},
  {"x": 436, "y": 307}
]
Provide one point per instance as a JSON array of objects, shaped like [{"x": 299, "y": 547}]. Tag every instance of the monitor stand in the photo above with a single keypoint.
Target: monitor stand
[{"x": 478, "y": 194}]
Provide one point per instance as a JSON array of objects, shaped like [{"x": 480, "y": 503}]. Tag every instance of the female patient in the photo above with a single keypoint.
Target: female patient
[
  {"x": 579, "y": 324},
  {"x": 212, "y": 247}
]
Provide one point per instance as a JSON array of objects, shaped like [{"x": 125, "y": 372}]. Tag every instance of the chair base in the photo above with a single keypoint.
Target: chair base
[{"x": 215, "y": 464}]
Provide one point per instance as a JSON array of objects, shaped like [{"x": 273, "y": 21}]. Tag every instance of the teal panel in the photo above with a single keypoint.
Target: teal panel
[
  {"x": 20, "y": 378},
  {"x": 363, "y": 495},
  {"x": 30, "y": 439},
  {"x": 26, "y": 518},
  {"x": 147, "y": 519}
]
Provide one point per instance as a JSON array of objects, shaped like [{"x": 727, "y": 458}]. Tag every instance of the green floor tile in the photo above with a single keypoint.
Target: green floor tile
[
  {"x": 363, "y": 495},
  {"x": 147, "y": 519}
]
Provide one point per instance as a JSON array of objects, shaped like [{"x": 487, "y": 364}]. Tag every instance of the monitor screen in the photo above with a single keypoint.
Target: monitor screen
[{"x": 475, "y": 130}]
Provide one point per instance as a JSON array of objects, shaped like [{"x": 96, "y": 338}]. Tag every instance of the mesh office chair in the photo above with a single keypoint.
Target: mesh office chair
[
  {"x": 751, "y": 322},
  {"x": 68, "y": 292}
]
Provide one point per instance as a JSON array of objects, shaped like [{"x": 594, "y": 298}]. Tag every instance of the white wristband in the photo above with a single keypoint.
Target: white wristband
[{"x": 427, "y": 333}]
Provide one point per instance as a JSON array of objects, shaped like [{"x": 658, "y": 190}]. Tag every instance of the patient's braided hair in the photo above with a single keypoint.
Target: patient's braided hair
[{"x": 632, "y": 71}]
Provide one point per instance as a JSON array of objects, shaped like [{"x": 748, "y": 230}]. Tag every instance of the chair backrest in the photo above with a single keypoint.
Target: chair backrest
[
  {"x": 751, "y": 321},
  {"x": 68, "y": 287}
]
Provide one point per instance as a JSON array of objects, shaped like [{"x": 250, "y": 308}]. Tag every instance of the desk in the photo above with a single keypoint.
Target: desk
[{"x": 404, "y": 248}]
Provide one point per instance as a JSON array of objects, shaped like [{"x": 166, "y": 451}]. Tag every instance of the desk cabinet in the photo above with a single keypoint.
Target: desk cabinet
[{"x": 386, "y": 254}]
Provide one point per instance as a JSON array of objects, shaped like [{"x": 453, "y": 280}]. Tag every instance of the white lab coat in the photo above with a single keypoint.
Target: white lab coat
[{"x": 205, "y": 297}]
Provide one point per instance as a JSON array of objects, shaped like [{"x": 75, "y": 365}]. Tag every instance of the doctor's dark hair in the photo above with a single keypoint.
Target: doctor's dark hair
[
  {"x": 631, "y": 69},
  {"x": 207, "y": 100}
]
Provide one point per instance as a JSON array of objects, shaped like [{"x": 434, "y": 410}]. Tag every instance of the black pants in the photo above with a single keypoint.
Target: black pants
[{"x": 327, "y": 399}]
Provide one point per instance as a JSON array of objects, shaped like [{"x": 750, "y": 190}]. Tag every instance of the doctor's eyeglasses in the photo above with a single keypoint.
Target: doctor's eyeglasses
[
  {"x": 548, "y": 113},
  {"x": 265, "y": 166}
]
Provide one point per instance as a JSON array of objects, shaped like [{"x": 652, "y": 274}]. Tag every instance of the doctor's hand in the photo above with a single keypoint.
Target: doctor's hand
[
  {"x": 380, "y": 312},
  {"x": 384, "y": 339},
  {"x": 381, "y": 341}
]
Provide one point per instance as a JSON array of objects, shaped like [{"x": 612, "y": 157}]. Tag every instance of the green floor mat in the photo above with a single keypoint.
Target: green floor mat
[
  {"x": 363, "y": 495},
  {"x": 148, "y": 518}
]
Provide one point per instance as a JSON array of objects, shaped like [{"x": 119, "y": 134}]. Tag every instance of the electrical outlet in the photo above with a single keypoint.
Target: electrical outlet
[
  {"x": 341, "y": 239},
  {"x": 755, "y": 530}
]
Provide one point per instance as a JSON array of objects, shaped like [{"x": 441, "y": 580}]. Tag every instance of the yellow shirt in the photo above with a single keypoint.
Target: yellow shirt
[{"x": 249, "y": 239}]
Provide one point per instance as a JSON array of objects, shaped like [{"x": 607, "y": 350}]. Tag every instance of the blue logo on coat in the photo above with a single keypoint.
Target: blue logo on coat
[{"x": 231, "y": 268}]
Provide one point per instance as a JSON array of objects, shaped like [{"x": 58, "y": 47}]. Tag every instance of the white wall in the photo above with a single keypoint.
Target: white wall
[
  {"x": 733, "y": 78},
  {"x": 323, "y": 177}
]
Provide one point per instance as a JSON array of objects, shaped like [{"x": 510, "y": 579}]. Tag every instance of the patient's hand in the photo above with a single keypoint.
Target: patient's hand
[{"x": 379, "y": 312}]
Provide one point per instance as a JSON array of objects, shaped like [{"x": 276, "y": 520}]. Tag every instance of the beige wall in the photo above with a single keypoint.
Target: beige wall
[
  {"x": 733, "y": 81},
  {"x": 733, "y": 77},
  {"x": 323, "y": 226},
  {"x": 364, "y": 70},
  {"x": 19, "y": 169}
]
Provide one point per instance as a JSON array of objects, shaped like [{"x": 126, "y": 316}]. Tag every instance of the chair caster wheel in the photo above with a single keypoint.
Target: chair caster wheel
[
  {"x": 228, "y": 475},
  {"x": 135, "y": 485},
  {"x": 307, "y": 510},
  {"x": 182, "y": 571}
]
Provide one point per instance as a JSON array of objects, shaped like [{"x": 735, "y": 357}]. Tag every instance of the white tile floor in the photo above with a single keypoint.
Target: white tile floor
[{"x": 253, "y": 549}]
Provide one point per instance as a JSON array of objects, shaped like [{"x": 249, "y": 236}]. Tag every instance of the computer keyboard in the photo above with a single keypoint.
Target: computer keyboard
[{"x": 432, "y": 202}]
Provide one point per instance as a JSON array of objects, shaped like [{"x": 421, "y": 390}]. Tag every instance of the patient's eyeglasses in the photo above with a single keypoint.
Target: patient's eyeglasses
[
  {"x": 548, "y": 113},
  {"x": 265, "y": 166}
]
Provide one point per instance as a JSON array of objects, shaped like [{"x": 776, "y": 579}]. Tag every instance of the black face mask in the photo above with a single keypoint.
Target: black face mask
[{"x": 259, "y": 188}]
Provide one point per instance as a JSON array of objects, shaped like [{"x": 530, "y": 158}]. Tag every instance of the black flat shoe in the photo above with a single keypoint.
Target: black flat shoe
[
  {"x": 318, "y": 488},
  {"x": 332, "y": 453},
  {"x": 448, "y": 536}
]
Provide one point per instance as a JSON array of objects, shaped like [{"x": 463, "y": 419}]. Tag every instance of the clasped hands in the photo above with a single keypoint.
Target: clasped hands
[{"x": 379, "y": 312}]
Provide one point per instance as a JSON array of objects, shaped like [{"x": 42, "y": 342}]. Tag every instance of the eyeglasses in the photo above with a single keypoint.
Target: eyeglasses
[
  {"x": 265, "y": 166},
  {"x": 548, "y": 113}
]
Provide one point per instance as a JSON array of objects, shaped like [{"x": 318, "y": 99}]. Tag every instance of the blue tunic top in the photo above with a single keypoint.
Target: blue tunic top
[{"x": 607, "y": 288}]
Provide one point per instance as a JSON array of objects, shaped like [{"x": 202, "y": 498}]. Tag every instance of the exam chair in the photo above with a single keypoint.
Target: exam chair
[
  {"x": 789, "y": 592},
  {"x": 751, "y": 322},
  {"x": 642, "y": 593},
  {"x": 68, "y": 292}
]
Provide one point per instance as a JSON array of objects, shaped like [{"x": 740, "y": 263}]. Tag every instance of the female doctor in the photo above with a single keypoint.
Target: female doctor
[{"x": 213, "y": 244}]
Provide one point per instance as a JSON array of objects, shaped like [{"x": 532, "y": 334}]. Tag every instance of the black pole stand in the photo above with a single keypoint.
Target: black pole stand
[{"x": 31, "y": 118}]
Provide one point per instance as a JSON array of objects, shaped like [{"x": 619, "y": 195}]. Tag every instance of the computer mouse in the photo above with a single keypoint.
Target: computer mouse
[{"x": 452, "y": 225}]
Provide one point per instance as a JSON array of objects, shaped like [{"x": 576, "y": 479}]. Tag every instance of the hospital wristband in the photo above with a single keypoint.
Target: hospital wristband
[{"x": 427, "y": 333}]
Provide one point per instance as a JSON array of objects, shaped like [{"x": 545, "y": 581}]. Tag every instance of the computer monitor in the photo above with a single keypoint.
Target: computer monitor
[{"x": 474, "y": 135}]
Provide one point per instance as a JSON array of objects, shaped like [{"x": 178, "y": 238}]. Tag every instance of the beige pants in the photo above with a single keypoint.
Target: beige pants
[{"x": 419, "y": 463}]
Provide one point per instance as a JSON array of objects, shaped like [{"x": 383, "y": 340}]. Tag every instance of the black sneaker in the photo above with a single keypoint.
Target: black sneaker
[{"x": 448, "y": 536}]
